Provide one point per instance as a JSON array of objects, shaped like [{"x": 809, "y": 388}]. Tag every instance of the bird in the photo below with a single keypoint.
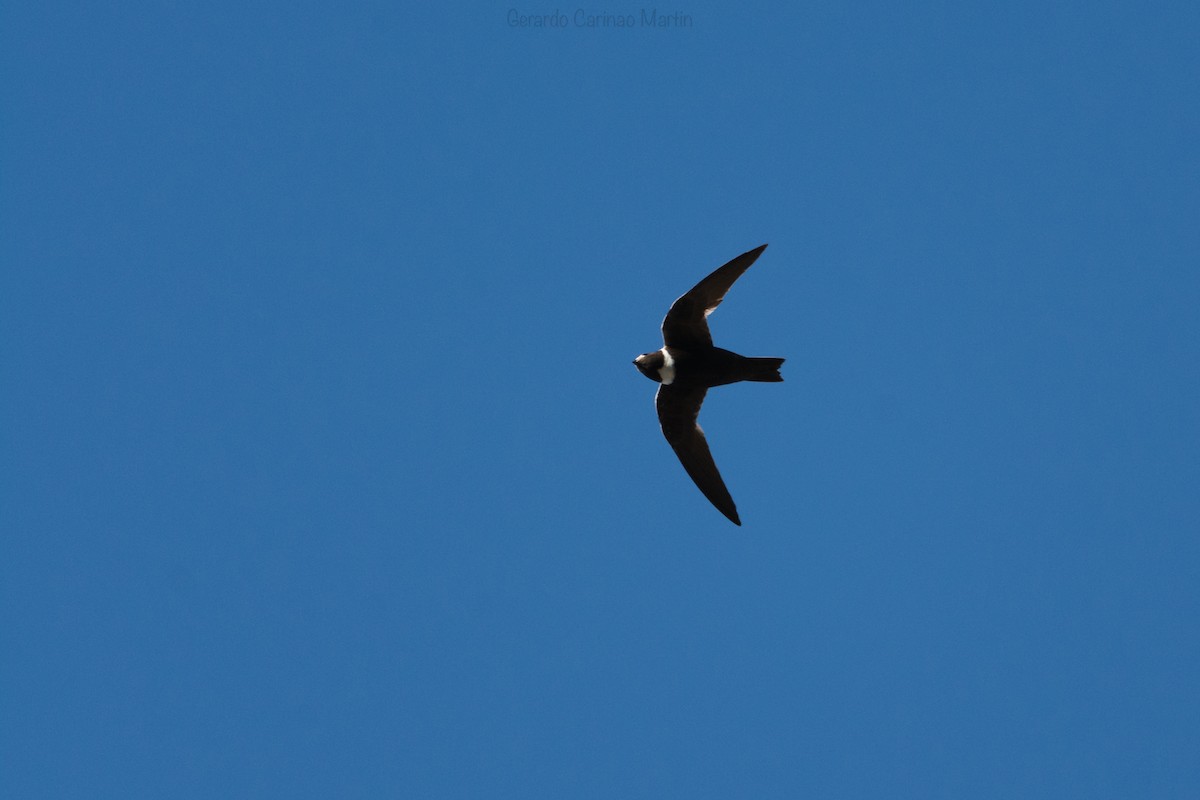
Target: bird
[{"x": 688, "y": 365}]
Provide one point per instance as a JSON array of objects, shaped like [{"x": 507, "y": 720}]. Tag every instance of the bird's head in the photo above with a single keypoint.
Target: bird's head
[{"x": 650, "y": 365}]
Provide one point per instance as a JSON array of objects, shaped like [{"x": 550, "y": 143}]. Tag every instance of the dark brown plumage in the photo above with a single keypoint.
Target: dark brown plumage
[{"x": 688, "y": 365}]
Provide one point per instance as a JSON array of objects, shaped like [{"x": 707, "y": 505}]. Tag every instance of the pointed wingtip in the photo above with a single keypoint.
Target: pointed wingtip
[{"x": 752, "y": 255}]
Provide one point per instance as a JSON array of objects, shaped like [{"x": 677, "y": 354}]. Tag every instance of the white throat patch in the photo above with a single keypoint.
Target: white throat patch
[{"x": 667, "y": 371}]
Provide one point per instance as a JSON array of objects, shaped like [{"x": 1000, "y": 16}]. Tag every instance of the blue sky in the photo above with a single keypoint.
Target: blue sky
[{"x": 326, "y": 472}]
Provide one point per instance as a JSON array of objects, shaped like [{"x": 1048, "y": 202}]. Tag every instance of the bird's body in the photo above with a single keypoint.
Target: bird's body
[
  {"x": 710, "y": 367},
  {"x": 688, "y": 365}
]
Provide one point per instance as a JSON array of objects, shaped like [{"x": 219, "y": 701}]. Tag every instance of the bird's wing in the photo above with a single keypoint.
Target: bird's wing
[
  {"x": 685, "y": 323},
  {"x": 678, "y": 407}
]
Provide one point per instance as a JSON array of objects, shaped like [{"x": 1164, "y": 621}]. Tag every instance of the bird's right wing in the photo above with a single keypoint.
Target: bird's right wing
[
  {"x": 686, "y": 322},
  {"x": 678, "y": 408}
]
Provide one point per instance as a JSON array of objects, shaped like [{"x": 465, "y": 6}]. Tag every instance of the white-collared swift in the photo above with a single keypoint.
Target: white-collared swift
[{"x": 688, "y": 365}]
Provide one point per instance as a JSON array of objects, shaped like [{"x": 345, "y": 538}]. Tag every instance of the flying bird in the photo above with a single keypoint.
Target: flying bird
[{"x": 688, "y": 365}]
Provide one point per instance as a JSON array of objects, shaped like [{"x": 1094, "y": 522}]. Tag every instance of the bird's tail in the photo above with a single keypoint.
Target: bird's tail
[{"x": 763, "y": 369}]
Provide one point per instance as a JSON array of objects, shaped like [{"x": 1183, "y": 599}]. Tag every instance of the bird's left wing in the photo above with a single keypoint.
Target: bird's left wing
[{"x": 678, "y": 408}]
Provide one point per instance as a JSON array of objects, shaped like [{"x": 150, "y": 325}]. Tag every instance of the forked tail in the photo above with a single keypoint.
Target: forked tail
[{"x": 763, "y": 369}]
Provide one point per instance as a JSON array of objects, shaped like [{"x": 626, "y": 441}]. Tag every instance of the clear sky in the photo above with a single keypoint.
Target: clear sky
[{"x": 326, "y": 472}]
